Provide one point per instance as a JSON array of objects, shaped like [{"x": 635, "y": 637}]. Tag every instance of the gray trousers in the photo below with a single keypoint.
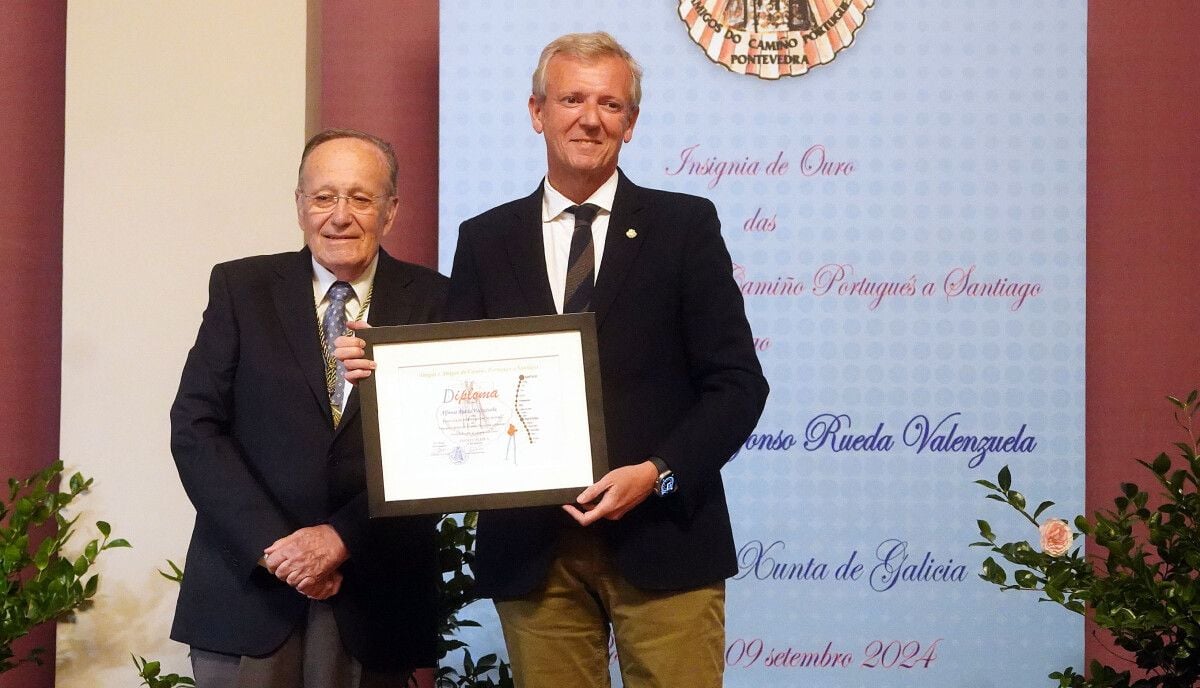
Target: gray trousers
[{"x": 311, "y": 657}]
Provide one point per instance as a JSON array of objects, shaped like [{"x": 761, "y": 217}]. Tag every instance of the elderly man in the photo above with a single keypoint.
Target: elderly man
[
  {"x": 647, "y": 549},
  {"x": 287, "y": 582}
]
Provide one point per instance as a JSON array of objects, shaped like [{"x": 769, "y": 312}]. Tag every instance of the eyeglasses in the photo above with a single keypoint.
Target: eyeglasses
[{"x": 358, "y": 202}]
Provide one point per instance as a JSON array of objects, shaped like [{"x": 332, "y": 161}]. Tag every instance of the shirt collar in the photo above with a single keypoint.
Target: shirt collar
[
  {"x": 323, "y": 279},
  {"x": 554, "y": 203}
]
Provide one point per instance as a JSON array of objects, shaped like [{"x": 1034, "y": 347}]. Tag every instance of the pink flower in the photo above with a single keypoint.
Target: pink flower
[{"x": 1056, "y": 537}]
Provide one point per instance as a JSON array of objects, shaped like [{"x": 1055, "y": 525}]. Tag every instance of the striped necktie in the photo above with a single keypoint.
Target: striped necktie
[{"x": 581, "y": 265}]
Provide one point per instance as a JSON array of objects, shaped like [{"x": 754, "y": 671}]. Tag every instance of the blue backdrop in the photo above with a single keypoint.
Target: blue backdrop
[{"x": 907, "y": 224}]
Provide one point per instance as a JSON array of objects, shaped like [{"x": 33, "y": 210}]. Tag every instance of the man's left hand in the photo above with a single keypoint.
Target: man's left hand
[
  {"x": 619, "y": 491},
  {"x": 313, "y": 552},
  {"x": 320, "y": 589}
]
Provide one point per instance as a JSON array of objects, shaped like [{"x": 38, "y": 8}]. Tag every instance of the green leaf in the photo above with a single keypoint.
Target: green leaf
[
  {"x": 176, "y": 574},
  {"x": 118, "y": 542},
  {"x": 1016, "y": 499},
  {"x": 42, "y": 558},
  {"x": 1177, "y": 479},
  {"x": 985, "y": 530},
  {"x": 1004, "y": 478},
  {"x": 1042, "y": 507},
  {"x": 104, "y": 528},
  {"x": 1025, "y": 579},
  {"x": 1053, "y": 592},
  {"x": 1082, "y": 525},
  {"x": 993, "y": 572},
  {"x": 1162, "y": 464}
]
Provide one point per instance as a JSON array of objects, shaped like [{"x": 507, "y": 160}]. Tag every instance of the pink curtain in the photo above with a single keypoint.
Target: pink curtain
[
  {"x": 379, "y": 73},
  {"x": 32, "y": 77}
]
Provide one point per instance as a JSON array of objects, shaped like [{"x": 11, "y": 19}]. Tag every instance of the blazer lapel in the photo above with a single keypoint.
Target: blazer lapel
[
  {"x": 527, "y": 253},
  {"x": 292, "y": 293},
  {"x": 390, "y": 305},
  {"x": 626, "y": 231}
]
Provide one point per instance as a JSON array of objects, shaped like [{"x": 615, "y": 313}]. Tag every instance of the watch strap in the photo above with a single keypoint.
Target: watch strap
[
  {"x": 664, "y": 484},
  {"x": 660, "y": 465}
]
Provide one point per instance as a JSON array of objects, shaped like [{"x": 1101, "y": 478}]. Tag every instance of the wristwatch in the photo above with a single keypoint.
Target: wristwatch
[{"x": 665, "y": 484}]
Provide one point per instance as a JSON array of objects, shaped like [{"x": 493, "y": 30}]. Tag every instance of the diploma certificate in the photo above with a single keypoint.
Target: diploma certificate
[{"x": 482, "y": 414}]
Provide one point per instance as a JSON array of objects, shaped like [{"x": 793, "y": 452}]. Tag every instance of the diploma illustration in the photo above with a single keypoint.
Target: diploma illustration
[
  {"x": 489, "y": 422},
  {"x": 488, "y": 418}
]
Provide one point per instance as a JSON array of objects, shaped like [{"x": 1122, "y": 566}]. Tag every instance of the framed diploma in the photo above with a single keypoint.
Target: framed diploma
[{"x": 483, "y": 414}]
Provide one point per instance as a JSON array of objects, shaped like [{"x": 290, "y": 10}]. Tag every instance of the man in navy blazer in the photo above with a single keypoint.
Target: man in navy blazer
[
  {"x": 648, "y": 547},
  {"x": 287, "y": 582}
]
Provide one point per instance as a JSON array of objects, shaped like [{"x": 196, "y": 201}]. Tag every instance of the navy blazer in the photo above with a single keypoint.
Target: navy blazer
[
  {"x": 680, "y": 379},
  {"x": 254, "y": 442}
]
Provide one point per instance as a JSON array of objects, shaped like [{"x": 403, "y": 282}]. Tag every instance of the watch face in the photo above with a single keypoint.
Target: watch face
[{"x": 666, "y": 485}]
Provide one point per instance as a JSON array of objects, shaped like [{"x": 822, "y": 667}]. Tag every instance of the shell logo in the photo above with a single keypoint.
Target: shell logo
[{"x": 773, "y": 38}]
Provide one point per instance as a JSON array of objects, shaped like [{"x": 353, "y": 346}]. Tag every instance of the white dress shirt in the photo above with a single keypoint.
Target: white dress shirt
[
  {"x": 558, "y": 226},
  {"x": 323, "y": 279}
]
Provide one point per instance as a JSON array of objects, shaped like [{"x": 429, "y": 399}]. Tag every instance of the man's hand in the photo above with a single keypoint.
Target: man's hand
[
  {"x": 352, "y": 352},
  {"x": 309, "y": 553},
  {"x": 321, "y": 588},
  {"x": 619, "y": 491}
]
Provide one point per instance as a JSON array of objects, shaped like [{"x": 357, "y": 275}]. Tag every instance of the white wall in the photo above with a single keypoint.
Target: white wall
[{"x": 184, "y": 123}]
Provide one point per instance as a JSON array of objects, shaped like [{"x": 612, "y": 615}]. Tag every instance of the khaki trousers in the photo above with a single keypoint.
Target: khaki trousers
[{"x": 559, "y": 636}]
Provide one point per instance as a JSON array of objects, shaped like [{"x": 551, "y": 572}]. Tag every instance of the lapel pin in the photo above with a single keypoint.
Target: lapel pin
[{"x": 631, "y": 233}]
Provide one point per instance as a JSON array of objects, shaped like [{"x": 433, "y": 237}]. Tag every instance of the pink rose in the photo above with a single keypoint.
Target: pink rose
[{"x": 1056, "y": 537}]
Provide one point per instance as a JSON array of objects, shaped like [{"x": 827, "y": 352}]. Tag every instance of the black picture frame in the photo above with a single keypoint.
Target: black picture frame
[{"x": 405, "y": 472}]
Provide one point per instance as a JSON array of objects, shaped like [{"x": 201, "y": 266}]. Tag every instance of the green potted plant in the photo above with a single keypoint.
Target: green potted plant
[
  {"x": 1144, "y": 589},
  {"x": 456, "y": 545},
  {"x": 40, "y": 583}
]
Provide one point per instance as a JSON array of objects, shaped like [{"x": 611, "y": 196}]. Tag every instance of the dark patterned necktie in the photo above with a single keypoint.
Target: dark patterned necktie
[
  {"x": 333, "y": 325},
  {"x": 581, "y": 265}
]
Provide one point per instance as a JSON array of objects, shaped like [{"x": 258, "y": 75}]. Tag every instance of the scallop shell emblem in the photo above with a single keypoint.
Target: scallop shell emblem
[{"x": 773, "y": 38}]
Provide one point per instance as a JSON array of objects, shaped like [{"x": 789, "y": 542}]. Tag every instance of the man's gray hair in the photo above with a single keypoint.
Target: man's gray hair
[
  {"x": 588, "y": 46},
  {"x": 384, "y": 147}
]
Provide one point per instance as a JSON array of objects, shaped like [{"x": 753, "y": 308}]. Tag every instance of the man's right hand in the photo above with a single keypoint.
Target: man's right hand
[{"x": 352, "y": 352}]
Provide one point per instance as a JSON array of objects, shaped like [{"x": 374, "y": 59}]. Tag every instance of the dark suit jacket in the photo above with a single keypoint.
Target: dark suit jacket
[
  {"x": 681, "y": 380},
  {"x": 253, "y": 438}
]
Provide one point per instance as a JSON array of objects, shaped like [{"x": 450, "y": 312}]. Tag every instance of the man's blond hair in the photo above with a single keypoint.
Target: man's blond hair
[{"x": 587, "y": 47}]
